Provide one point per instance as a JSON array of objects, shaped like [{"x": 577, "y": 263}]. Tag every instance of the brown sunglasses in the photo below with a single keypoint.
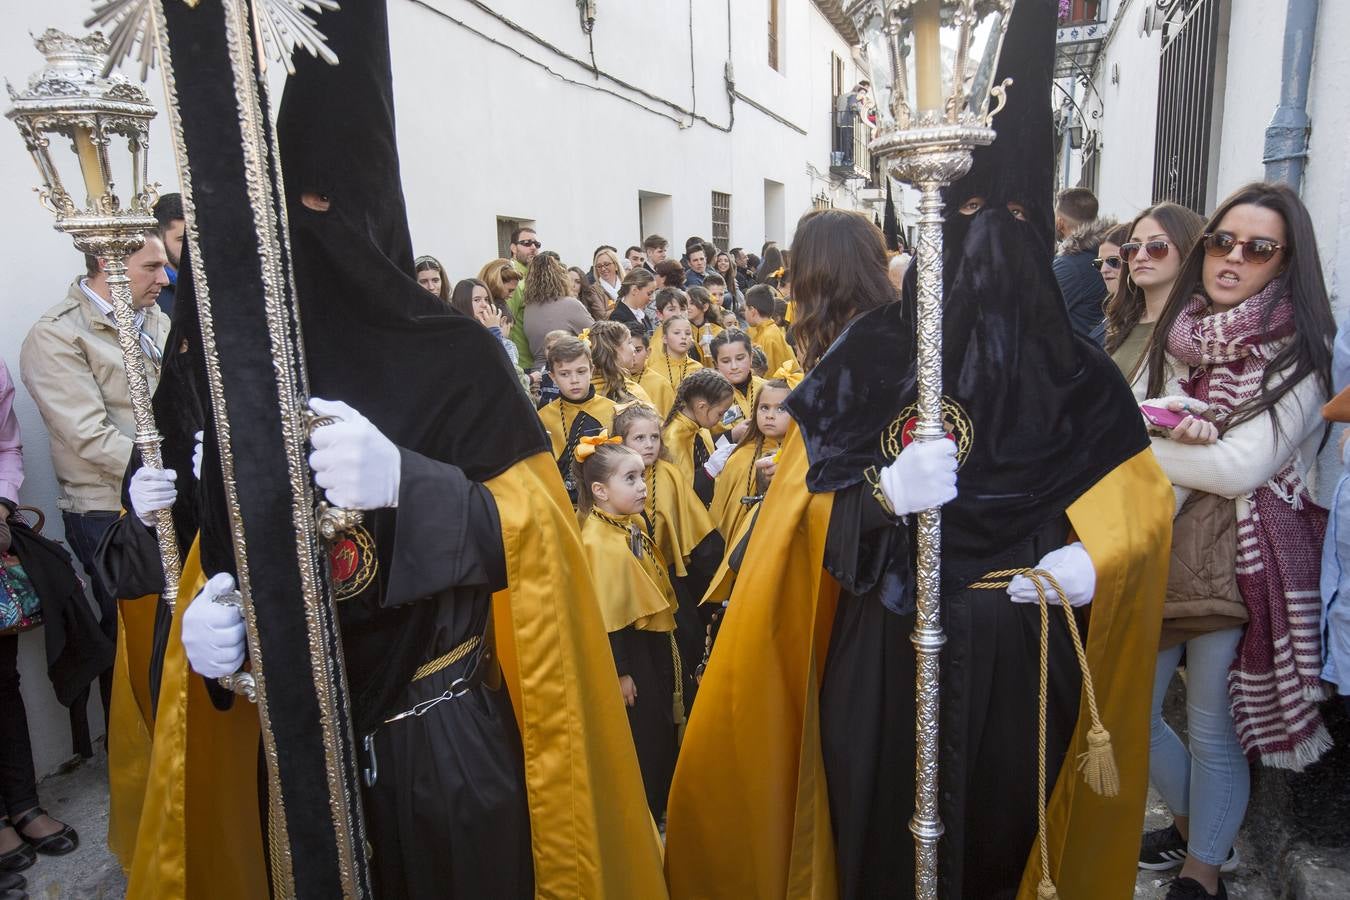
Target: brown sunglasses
[
  {"x": 1156, "y": 249},
  {"x": 1256, "y": 250}
]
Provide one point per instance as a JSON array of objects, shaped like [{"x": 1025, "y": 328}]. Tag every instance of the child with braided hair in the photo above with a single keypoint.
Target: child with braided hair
[
  {"x": 637, "y": 603},
  {"x": 611, "y": 360},
  {"x": 702, "y": 400}
]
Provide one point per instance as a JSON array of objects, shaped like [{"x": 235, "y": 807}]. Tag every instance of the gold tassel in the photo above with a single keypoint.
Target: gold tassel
[
  {"x": 1046, "y": 889},
  {"x": 677, "y": 706},
  {"x": 1098, "y": 764}
]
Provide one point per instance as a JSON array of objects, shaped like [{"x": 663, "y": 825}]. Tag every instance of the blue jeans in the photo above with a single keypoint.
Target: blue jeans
[{"x": 1211, "y": 782}]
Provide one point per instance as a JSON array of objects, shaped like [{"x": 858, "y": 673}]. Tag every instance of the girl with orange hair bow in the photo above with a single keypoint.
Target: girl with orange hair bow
[{"x": 637, "y": 603}]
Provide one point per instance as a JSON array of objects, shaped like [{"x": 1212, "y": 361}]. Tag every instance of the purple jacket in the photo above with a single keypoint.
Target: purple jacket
[{"x": 11, "y": 442}]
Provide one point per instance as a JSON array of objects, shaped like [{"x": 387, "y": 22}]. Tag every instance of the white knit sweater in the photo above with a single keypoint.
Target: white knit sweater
[{"x": 1251, "y": 454}]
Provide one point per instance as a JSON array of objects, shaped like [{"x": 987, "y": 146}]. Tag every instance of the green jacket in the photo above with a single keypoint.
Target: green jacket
[{"x": 516, "y": 303}]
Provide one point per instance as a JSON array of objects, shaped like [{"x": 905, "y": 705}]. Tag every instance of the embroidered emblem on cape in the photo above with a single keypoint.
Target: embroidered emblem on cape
[
  {"x": 955, "y": 421},
  {"x": 352, "y": 563},
  {"x": 900, "y": 434}
]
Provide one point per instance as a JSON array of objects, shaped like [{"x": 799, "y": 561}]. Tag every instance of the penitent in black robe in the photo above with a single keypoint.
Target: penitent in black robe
[
  {"x": 447, "y": 814},
  {"x": 989, "y": 684}
]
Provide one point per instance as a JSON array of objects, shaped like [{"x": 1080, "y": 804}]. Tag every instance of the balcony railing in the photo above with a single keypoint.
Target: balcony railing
[
  {"x": 1078, "y": 39},
  {"x": 849, "y": 157}
]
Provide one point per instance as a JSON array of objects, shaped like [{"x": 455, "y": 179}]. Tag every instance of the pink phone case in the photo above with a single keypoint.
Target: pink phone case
[{"x": 1161, "y": 416}]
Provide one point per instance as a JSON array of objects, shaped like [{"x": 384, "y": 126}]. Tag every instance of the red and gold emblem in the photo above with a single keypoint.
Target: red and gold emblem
[
  {"x": 352, "y": 563},
  {"x": 955, "y": 421}
]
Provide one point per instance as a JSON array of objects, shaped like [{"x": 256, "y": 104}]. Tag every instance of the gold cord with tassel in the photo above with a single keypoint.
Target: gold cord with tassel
[
  {"x": 677, "y": 709},
  {"x": 1098, "y": 763}
]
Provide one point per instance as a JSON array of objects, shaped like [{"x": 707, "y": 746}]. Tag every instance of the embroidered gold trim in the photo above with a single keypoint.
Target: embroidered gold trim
[{"x": 440, "y": 663}]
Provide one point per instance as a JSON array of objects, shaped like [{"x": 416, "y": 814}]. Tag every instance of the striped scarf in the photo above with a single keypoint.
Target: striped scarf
[{"x": 1274, "y": 683}]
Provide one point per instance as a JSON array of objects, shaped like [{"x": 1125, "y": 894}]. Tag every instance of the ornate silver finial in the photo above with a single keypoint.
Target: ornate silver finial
[{"x": 281, "y": 26}]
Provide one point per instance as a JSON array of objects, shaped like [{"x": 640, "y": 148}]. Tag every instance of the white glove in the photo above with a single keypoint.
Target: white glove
[
  {"x": 923, "y": 476},
  {"x": 213, "y": 633},
  {"x": 197, "y": 456},
  {"x": 151, "y": 490},
  {"x": 1072, "y": 568},
  {"x": 357, "y": 467},
  {"x": 718, "y": 461}
]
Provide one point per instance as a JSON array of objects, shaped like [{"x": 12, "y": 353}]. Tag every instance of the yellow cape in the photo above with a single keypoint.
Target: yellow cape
[
  {"x": 200, "y": 833},
  {"x": 590, "y": 830},
  {"x": 636, "y": 591},
  {"x": 737, "y": 481},
  {"x": 634, "y": 389},
  {"x": 678, "y": 438},
  {"x": 663, "y": 377},
  {"x": 749, "y": 809},
  {"x": 551, "y": 417},
  {"x": 130, "y": 725},
  {"x": 679, "y": 520},
  {"x": 768, "y": 337}
]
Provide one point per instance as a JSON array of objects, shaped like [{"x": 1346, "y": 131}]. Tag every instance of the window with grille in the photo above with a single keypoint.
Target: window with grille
[
  {"x": 1183, "y": 151},
  {"x": 721, "y": 220},
  {"x": 775, "y": 57}
]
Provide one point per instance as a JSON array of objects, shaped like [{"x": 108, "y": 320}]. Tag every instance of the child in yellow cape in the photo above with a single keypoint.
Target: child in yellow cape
[
  {"x": 671, "y": 364},
  {"x": 637, "y": 603},
  {"x": 750, "y": 463},
  {"x": 703, "y": 398}
]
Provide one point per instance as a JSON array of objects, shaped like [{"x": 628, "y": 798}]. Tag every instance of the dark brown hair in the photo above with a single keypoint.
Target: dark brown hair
[
  {"x": 590, "y": 295},
  {"x": 1077, "y": 203},
  {"x": 461, "y": 298},
  {"x": 838, "y": 273},
  {"x": 1308, "y": 351},
  {"x": 1126, "y": 307},
  {"x": 708, "y": 385},
  {"x": 625, "y": 419},
  {"x": 671, "y": 273},
  {"x": 637, "y": 277},
  {"x": 599, "y": 466}
]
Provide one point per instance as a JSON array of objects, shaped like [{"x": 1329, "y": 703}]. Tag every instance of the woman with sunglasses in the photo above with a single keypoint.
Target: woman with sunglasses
[
  {"x": 1150, "y": 258},
  {"x": 1108, "y": 262},
  {"x": 1243, "y": 347}
]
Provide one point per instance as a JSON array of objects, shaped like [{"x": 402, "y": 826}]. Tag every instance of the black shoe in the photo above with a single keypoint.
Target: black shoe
[
  {"x": 58, "y": 844},
  {"x": 1162, "y": 850},
  {"x": 11, "y": 882},
  {"x": 1190, "y": 889},
  {"x": 18, "y": 859}
]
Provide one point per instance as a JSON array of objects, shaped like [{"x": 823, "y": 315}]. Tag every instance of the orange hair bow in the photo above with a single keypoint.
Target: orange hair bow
[{"x": 591, "y": 443}]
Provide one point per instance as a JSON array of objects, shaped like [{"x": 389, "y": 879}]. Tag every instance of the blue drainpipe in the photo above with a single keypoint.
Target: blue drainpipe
[{"x": 1286, "y": 150}]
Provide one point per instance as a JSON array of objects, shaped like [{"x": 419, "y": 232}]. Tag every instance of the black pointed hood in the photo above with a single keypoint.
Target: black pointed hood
[{"x": 1040, "y": 414}]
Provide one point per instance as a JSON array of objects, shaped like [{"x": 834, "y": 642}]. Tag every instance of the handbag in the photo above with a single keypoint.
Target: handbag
[
  {"x": 1202, "y": 591},
  {"x": 20, "y": 606}
]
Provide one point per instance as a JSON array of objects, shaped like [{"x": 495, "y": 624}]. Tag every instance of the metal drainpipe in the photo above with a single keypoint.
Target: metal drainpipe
[{"x": 1286, "y": 150}]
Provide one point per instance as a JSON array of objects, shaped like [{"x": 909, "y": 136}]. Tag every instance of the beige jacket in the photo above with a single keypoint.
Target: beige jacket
[{"x": 71, "y": 364}]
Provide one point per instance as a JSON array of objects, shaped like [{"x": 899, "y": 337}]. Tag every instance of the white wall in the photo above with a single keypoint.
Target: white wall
[
  {"x": 485, "y": 131},
  {"x": 1129, "y": 117}
]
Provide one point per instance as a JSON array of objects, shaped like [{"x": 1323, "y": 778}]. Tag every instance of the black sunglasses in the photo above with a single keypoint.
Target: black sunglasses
[
  {"x": 1153, "y": 249},
  {"x": 535, "y": 244},
  {"x": 1110, "y": 262},
  {"x": 1256, "y": 250}
]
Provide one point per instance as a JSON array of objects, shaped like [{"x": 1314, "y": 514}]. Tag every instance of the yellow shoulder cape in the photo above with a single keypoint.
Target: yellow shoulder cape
[
  {"x": 679, "y": 521},
  {"x": 636, "y": 591},
  {"x": 590, "y": 829},
  {"x": 735, "y": 482},
  {"x": 552, "y": 415},
  {"x": 199, "y": 833},
  {"x": 678, "y": 438},
  {"x": 749, "y": 810}
]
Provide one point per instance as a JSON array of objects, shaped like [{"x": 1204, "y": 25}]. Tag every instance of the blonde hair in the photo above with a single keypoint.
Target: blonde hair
[
  {"x": 618, "y": 263},
  {"x": 494, "y": 274},
  {"x": 606, "y": 338},
  {"x": 546, "y": 280}
]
